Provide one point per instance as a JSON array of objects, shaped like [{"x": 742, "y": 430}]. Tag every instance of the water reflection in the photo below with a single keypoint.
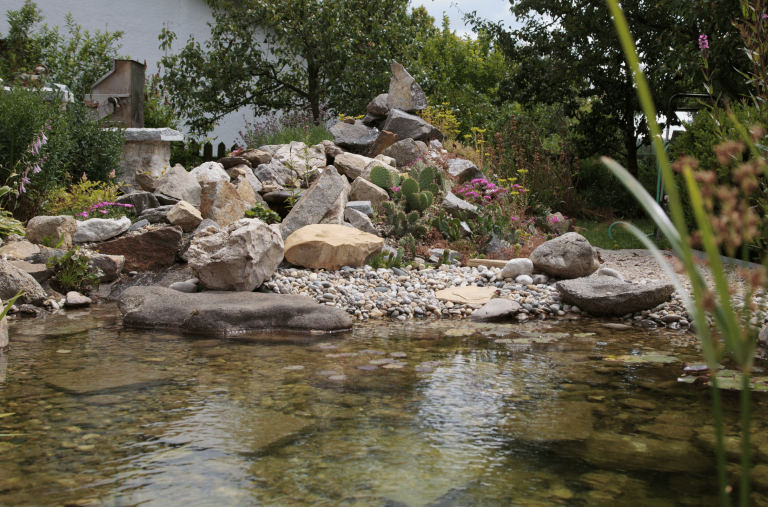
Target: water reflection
[{"x": 532, "y": 414}]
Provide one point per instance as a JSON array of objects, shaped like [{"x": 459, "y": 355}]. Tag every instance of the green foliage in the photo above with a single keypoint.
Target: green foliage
[
  {"x": 74, "y": 271},
  {"x": 9, "y": 303},
  {"x": 409, "y": 242},
  {"x": 383, "y": 178},
  {"x": 461, "y": 76},
  {"x": 52, "y": 241},
  {"x": 402, "y": 223},
  {"x": 578, "y": 62},
  {"x": 315, "y": 134},
  {"x": 8, "y": 224},
  {"x": 388, "y": 261},
  {"x": 81, "y": 197},
  {"x": 76, "y": 60},
  {"x": 263, "y": 213},
  {"x": 449, "y": 227},
  {"x": 304, "y": 52},
  {"x": 75, "y": 145}
]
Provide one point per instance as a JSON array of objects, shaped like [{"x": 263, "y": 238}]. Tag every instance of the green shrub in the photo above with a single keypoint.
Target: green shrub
[
  {"x": 263, "y": 213},
  {"x": 74, "y": 271}
]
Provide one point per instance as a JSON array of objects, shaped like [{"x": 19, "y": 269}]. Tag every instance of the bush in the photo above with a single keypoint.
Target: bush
[
  {"x": 73, "y": 271},
  {"x": 44, "y": 147},
  {"x": 277, "y": 128}
]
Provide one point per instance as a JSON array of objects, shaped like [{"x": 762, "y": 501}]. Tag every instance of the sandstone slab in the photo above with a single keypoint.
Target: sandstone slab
[
  {"x": 364, "y": 190},
  {"x": 20, "y": 249},
  {"x": 150, "y": 251},
  {"x": 185, "y": 216},
  {"x": 331, "y": 247},
  {"x": 214, "y": 312},
  {"x": 467, "y": 295}
]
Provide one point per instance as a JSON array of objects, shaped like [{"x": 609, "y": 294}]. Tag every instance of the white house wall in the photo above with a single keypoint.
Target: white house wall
[{"x": 142, "y": 21}]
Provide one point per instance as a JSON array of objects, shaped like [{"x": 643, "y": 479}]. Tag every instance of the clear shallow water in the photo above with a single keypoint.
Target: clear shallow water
[{"x": 104, "y": 416}]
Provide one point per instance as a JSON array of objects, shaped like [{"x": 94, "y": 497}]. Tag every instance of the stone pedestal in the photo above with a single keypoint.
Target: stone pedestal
[{"x": 146, "y": 150}]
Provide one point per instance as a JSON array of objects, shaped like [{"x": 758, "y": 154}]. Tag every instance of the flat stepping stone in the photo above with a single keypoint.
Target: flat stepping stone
[
  {"x": 466, "y": 295},
  {"x": 604, "y": 296},
  {"x": 107, "y": 376}
]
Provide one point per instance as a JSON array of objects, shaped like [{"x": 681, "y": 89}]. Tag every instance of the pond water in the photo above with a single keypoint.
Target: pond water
[{"x": 454, "y": 413}]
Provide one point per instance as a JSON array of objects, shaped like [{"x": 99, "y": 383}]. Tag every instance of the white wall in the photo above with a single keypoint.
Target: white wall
[{"x": 141, "y": 20}]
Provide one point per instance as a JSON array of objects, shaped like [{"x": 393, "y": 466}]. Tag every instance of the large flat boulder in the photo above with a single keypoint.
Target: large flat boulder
[
  {"x": 404, "y": 92},
  {"x": 316, "y": 201},
  {"x": 567, "y": 256},
  {"x": 355, "y": 137},
  {"x": 238, "y": 257},
  {"x": 331, "y": 247},
  {"x": 407, "y": 126},
  {"x": 604, "y": 296},
  {"x": 466, "y": 295},
  {"x": 150, "y": 251},
  {"x": 214, "y": 312},
  {"x": 55, "y": 228}
]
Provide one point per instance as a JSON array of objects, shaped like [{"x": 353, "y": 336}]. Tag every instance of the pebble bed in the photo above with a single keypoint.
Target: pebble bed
[{"x": 407, "y": 293}]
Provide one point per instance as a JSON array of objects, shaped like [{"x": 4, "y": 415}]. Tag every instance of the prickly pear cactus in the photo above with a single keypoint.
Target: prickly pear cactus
[
  {"x": 427, "y": 177},
  {"x": 409, "y": 188},
  {"x": 381, "y": 178}
]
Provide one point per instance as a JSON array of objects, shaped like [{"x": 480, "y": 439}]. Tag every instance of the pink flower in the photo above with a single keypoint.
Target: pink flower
[
  {"x": 703, "y": 42},
  {"x": 112, "y": 174},
  {"x": 104, "y": 211}
]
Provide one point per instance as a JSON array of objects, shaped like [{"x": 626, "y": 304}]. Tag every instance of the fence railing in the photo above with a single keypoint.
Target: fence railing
[{"x": 208, "y": 156}]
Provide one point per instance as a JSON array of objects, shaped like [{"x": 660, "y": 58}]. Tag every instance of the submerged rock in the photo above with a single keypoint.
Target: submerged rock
[
  {"x": 606, "y": 296},
  {"x": 226, "y": 312}
]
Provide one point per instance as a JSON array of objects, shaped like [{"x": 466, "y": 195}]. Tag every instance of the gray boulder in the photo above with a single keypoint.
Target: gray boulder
[
  {"x": 38, "y": 271},
  {"x": 517, "y": 267},
  {"x": 404, "y": 92},
  {"x": 156, "y": 215},
  {"x": 404, "y": 152},
  {"x": 100, "y": 229},
  {"x": 605, "y": 296},
  {"x": 364, "y": 190},
  {"x": 355, "y": 137},
  {"x": 275, "y": 171},
  {"x": 110, "y": 265},
  {"x": 189, "y": 288},
  {"x": 212, "y": 171},
  {"x": 315, "y": 202},
  {"x": 496, "y": 309},
  {"x": 222, "y": 313},
  {"x": 379, "y": 106},
  {"x": 453, "y": 205},
  {"x": 351, "y": 165},
  {"x": 407, "y": 126},
  {"x": 463, "y": 169},
  {"x": 567, "y": 256},
  {"x": 363, "y": 207},
  {"x": 335, "y": 214},
  {"x": 13, "y": 280},
  {"x": 360, "y": 221},
  {"x": 178, "y": 185},
  {"x": 139, "y": 201}
]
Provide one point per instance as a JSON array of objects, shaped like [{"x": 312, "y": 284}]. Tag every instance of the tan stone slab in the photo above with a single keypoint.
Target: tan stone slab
[
  {"x": 106, "y": 376},
  {"x": 21, "y": 249},
  {"x": 467, "y": 295},
  {"x": 489, "y": 263}
]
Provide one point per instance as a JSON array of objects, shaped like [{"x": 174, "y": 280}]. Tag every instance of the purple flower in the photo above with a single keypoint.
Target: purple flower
[
  {"x": 36, "y": 169},
  {"x": 703, "y": 42}
]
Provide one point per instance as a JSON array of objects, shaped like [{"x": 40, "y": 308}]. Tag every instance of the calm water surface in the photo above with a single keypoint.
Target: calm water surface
[{"x": 465, "y": 414}]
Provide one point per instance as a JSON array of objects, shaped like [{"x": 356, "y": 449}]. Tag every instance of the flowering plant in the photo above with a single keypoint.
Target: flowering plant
[
  {"x": 30, "y": 162},
  {"x": 104, "y": 210}
]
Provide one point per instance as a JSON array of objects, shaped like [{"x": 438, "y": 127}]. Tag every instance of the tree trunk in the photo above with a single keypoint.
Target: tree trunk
[
  {"x": 630, "y": 139},
  {"x": 313, "y": 77}
]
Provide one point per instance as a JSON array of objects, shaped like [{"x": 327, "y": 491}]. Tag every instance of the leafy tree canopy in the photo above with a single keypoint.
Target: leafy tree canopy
[
  {"x": 77, "y": 60},
  {"x": 288, "y": 54},
  {"x": 568, "y": 53}
]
